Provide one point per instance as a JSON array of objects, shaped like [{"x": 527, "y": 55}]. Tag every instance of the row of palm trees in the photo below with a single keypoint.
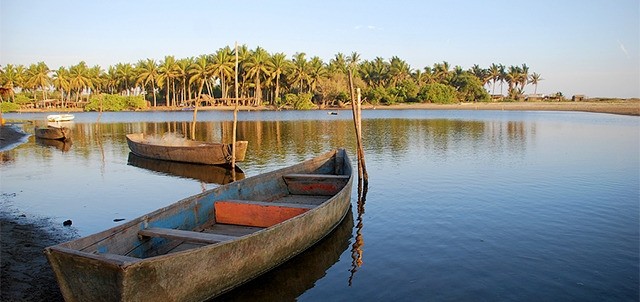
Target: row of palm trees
[{"x": 262, "y": 77}]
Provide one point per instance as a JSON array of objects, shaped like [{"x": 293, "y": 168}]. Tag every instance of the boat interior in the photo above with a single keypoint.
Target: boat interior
[{"x": 233, "y": 218}]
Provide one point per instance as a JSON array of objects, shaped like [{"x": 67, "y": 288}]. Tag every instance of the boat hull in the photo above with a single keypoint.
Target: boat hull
[
  {"x": 112, "y": 265},
  {"x": 57, "y": 133},
  {"x": 192, "y": 152}
]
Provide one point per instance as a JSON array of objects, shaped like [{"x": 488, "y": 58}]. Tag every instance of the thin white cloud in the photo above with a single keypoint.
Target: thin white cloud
[
  {"x": 367, "y": 27},
  {"x": 626, "y": 53}
]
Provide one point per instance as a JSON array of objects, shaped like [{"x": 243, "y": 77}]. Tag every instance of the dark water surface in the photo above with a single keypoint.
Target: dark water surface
[{"x": 461, "y": 205}]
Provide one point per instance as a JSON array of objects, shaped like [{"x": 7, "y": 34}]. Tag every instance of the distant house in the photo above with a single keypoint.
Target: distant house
[
  {"x": 534, "y": 97},
  {"x": 578, "y": 97},
  {"x": 497, "y": 97}
]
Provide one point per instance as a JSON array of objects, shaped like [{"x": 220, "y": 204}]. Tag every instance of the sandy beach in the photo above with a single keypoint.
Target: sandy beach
[{"x": 25, "y": 274}]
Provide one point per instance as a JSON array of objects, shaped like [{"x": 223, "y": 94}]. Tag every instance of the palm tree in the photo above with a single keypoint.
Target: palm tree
[
  {"x": 493, "y": 74},
  {"x": 338, "y": 64},
  {"x": 11, "y": 78},
  {"x": 353, "y": 60},
  {"x": 398, "y": 70},
  {"x": 279, "y": 64},
  {"x": 223, "y": 65},
  {"x": 98, "y": 79},
  {"x": 480, "y": 73},
  {"x": 111, "y": 79},
  {"x": 79, "y": 78},
  {"x": 534, "y": 79},
  {"x": 243, "y": 56},
  {"x": 182, "y": 73},
  {"x": 124, "y": 74},
  {"x": 299, "y": 71},
  {"x": 317, "y": 71},
  {"x": 167, "y": 71},
  {"x": 62, "y": 81},
  {"x": 201, "y": 71},
  {"x": 257, "y": 65},
  {"x": 441, "y": 71},
  {"x": 38, "y": 77},
  {"x": 148, "y": 73},
  {"x": 503, "y": 76},
  {"x": 524, "y": 75}
]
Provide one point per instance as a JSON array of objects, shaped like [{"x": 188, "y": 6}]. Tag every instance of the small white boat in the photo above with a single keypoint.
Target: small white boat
[{"x": 60, "y": 117}]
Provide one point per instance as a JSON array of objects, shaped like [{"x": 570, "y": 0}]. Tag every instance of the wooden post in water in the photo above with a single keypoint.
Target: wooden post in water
[
  {"x": 195, "y": 118},
  {"x": 357, "y": 122},
  {"x": 365, "y": 175}
]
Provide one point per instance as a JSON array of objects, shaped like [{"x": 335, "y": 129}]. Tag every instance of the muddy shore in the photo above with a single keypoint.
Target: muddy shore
[{"x": 26, "y": 275}]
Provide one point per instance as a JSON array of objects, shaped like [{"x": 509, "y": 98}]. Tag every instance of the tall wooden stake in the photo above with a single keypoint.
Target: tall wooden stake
[
  {"x": 357, "y": 122},
  {"x": 365, "y": 175}
]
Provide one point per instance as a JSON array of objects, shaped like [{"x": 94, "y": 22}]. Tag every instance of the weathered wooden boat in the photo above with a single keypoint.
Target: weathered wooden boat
[
  {"x": 188, "y": 151},
  {"x": 207, "y": 173},
  {"x": 60, "y": 117},
  {"x": 211, "y": 242},
  {"x": 51, "y": 132}
]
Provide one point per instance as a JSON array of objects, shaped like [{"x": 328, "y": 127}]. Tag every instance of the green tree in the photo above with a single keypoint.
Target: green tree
[
  {"x": 167, "y": 72},
  {"x": 80, "y": 79},
  {"x": 535, "y": 79},
  {"x": 300, "y": 70},
  {"x": 223, "y": 66},
  {"x": 469, "y": 88},
  {"x": 437, "y": 93},
  {"x": 279, "y": 65},
  {"x": 38, "y": 77},
  {"x": 257, "y": 65},
  {"x": 62, "y": 82},
  {"x": 147, "y": 71},
  {"x": 125, "y": 77},
  {"x": 317, "y": 71},
  {"x": 201, "y": 71}
]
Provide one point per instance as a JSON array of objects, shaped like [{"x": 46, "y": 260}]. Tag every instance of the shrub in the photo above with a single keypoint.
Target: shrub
[
  {"x": 9, "y": 107},
  {"x": 299, "y": 101},
  {"x": 437, "y": 93},
  {"x": 114, "y": 102}
]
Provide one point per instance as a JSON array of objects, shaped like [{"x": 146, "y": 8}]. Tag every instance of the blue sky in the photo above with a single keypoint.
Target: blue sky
[{"x": 578, "y": 47}]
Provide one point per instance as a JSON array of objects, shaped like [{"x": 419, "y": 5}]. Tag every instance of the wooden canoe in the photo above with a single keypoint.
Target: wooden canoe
[
  {"x": 207, "y": 173},
  {"x": 187, "y": 151},
  {"x": 209, "y": 243},
  {"x": 50, "y": 132}
]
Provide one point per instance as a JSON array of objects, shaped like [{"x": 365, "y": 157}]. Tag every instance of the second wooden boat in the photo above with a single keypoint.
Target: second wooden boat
[
  {"x": 188, "y": 151},
  {"x": 50, "y": 132},
  {"x": 209, "y": 243}
]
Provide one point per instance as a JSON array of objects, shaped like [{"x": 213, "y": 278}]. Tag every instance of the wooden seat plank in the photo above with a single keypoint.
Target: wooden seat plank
[
  {"x": 315, "y": 184},
  {"x": 189, "y": 236},
  {"x": 256, "y": 213}
]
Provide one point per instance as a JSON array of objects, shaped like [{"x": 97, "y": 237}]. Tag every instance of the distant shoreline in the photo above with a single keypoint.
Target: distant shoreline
[{"x": 622, "y": 107}]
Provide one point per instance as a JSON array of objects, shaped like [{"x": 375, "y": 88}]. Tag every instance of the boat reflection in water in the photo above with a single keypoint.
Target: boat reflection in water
[
  {"x": 293, "y": 278},
  {"x": 207, "y": 173},
  {"x": 62, "y": 145}
]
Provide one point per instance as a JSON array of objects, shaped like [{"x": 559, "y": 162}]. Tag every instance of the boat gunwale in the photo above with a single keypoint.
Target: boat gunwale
[{"x": 191, "y": 143}]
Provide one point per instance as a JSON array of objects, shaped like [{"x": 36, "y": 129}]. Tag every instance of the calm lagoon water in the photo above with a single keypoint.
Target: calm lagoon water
[{"x": 461, "y": 205}]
